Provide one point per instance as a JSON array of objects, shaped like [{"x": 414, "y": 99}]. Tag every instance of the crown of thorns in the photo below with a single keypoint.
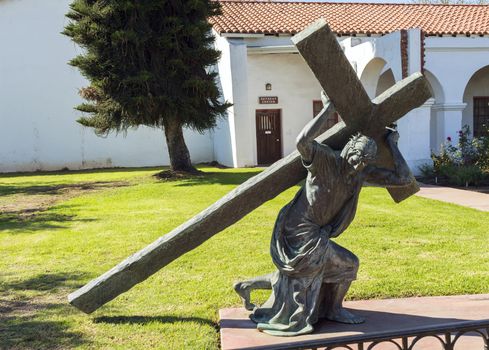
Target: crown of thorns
[{"x": 368, "y": 144}]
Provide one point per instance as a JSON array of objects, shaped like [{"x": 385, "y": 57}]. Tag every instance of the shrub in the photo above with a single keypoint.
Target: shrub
[
  {"x": 427, "y": 170},
  {"x": 462, "y": 175},
  {"x": 465, "y": 164}
]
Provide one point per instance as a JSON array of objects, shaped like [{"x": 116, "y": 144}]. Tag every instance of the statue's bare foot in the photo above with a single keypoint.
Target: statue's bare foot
[
  {"x": 243, "y": 290},
  {"x": 343, "y": 316}
]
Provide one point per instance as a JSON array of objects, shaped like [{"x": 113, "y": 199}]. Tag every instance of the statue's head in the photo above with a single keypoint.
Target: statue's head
[{"x": 359, "y": 151}]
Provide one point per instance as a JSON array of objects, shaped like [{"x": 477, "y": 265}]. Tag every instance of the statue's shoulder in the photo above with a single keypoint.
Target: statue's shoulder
[
  {"x": 325, "y": 150},
  {"x": 323, "y": 156}
]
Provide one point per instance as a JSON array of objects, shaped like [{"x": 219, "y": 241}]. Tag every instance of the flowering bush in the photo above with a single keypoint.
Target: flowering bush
[{"x": 462, "y": 164}]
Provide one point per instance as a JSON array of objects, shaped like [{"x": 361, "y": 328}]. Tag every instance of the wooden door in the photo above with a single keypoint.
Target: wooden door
[
  {"x": 481, "y": 116},
  {"x": 268, "y": 136}
]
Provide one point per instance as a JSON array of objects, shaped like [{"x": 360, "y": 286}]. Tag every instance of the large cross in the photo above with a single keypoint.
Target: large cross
[{"x": 320, "y": 48}]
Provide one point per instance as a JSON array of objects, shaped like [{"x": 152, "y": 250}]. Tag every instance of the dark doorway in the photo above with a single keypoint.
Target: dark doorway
[
  {"x": 268, "y": 136},
  {"x": 481, "y": 116}
]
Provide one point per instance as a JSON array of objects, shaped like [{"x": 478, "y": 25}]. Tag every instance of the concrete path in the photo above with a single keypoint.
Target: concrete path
[
  {"x": 410, "y": 315},
  {"x": 471, "y": 199}
]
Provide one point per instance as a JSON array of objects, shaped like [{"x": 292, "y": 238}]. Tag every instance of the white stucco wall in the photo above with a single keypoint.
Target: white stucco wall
[
  {"x": 224, "y": 134},
  {"x": 377, "y": 61},
  {"x": 371, "y": 56},
  {"x": 451, "y": 62},
  {"x": 232, "y": 136},
  {"x": 294, "y": 85},
  {"x": 414, "y": 141},
  {"x": 38, "y": 91},
  {"x": 378, "y": 64}
]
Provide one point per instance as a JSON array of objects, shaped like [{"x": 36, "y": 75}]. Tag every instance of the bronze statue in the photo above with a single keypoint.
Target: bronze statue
[
  {"x": 307, "y": 259},
  {"x": 314, "y": 273}
]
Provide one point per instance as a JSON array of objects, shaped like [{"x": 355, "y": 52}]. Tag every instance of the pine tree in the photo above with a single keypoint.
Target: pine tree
[{"x": 149, "y": 63}]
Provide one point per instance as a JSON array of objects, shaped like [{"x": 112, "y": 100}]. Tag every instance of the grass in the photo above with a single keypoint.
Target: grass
[{"x": 418, "y": 247}]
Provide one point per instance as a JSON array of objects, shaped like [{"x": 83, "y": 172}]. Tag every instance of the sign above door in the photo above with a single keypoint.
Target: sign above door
[{"x": 268, "y": 100}]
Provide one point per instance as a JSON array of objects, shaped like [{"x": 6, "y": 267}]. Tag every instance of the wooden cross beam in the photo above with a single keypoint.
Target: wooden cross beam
[{"x": 319, "y": 47}]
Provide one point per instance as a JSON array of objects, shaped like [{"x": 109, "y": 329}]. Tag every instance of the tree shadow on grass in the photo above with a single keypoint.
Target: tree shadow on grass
[
  {"x": 141, "y": 320},
  {"x": 46, "y": 282},
  {"x": 23, "y": 326},
  {"x": 28, "y": 322},
  {"x": 25, "y": 333},
  {"x": 26, "y": 221},
  {"x": 211, "y": 178},
  {"x": 27, "y": 208},
  {"x": 21, "y": 188}
]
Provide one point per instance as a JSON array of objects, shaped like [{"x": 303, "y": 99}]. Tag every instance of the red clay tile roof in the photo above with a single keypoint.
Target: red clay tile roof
[{"x": 276, "y": 17}]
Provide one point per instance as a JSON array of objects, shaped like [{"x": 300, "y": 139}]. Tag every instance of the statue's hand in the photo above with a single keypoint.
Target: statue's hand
[
  {"x": 392, "y": 136},
  {"x": 324, "y": 98}
]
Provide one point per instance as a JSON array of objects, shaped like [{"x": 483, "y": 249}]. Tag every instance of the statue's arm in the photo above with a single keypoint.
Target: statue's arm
[
  {"x": 313, "y": 129},
  {"x": 400, "y": 176}
]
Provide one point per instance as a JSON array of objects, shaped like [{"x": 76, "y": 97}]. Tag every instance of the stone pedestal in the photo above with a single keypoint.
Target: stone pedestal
[{"x": 390, "y": 315}]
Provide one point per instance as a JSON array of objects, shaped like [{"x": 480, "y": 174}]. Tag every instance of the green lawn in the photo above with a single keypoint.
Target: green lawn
[{"x": 49, "y": 247}]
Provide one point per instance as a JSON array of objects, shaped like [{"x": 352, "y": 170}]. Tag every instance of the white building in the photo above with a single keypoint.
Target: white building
[
  {"x": 384, "y": 43},
  {"x": 38, "y": 90}
]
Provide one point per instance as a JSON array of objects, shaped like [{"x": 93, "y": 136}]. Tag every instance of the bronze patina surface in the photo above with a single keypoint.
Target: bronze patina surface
[{"x": 319, "y": 47}]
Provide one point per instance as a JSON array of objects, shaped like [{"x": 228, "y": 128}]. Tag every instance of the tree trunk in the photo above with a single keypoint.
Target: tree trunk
[{"x": 177, "y": 149}]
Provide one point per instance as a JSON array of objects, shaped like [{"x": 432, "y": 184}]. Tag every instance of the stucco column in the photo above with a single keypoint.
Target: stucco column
[
  {"x": 449, "y": 121},
  {"x": 414, "y": 142},
  {"x": 243, "y": 122},
  {"x": 414, "y": 51},
  {"x": 232, "y": 146}
]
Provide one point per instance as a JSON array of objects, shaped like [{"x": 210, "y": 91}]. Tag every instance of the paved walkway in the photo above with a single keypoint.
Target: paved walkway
[
  {"x": 400, "y": 316},
  {"x": 471, "y": 199}
]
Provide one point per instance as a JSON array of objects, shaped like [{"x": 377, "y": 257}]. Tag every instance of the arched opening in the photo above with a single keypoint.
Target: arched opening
[
  {"x": 370, "y": 76},
  {"x": 476, "y": 96},
  {"x": 437, "y": 135},
  {"x": 386, "y": 80},
  {"x": 435, "y": 87}
]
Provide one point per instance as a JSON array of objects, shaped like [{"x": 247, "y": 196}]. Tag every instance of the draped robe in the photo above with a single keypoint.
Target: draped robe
[{"x": 306, "y": 259}]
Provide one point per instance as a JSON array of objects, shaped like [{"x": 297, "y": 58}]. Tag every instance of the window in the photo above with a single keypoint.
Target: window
[{"x": 481, "y": 116}]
